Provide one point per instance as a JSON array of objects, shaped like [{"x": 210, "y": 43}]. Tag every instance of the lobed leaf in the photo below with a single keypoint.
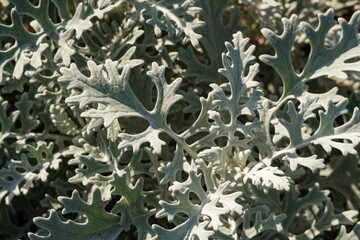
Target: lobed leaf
[
  {"x": 267, "y": 176},
  {"x": 29, "y": 46},
  {"x": 18, "y": 178},
  {"x": 131, "y": 205},
  {"x": 207, "y": 207},
  {"x": 107, "y": 87},
  {"x": 214, "y": 33},
  {"x": 322, "y": 60},
  {"x": 177, "y": 17},
  {"x": 99, "y": 224},
  {"x": 235, "y": 63}
]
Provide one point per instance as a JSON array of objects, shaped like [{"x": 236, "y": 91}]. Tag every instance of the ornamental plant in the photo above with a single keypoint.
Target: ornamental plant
[{"x": 179, "y": 119}]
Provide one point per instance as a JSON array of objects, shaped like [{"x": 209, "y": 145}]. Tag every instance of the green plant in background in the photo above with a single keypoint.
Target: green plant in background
[{"x": 131, "y": 119}]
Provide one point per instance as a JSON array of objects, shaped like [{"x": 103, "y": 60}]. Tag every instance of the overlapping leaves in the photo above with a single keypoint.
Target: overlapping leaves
[
  {"x": 178, "y": 17},
  {"x": 228, "y": 166},
  {"x": 292, "y": 126},
  {"x": 238, "y": 103},
  {"x": 214, "y": 34},
  {"x": 29, "y": 46},
  {"x": 201, "y": 217},
  {"x": 322, "y": 61}
]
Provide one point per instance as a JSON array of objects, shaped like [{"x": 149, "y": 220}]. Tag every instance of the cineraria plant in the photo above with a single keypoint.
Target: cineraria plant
[{"x": 179, "y": 119}]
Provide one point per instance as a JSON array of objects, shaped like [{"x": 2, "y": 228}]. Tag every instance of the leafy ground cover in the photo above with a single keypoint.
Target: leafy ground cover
[{"x": 179, "y": 119}]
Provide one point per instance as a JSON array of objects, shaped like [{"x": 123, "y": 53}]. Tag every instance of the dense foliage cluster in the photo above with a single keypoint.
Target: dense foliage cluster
[{"x": 179, "y": 119}]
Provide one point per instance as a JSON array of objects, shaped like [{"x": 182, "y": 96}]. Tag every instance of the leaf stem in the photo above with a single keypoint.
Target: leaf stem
[
  {"x": 275, "y": 106},
  {"x": 178, "y": 139},
  {"x": 282, "y": 152}
]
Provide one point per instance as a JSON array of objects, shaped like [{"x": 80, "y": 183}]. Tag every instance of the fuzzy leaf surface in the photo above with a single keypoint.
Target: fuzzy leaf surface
[
  {"x": 106, "y": 86},
  {"x": 99, "y": 224}
]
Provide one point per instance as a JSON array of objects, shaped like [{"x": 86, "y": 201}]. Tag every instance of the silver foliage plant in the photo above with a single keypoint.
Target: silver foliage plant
[{"x": 133, "y": 119}]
